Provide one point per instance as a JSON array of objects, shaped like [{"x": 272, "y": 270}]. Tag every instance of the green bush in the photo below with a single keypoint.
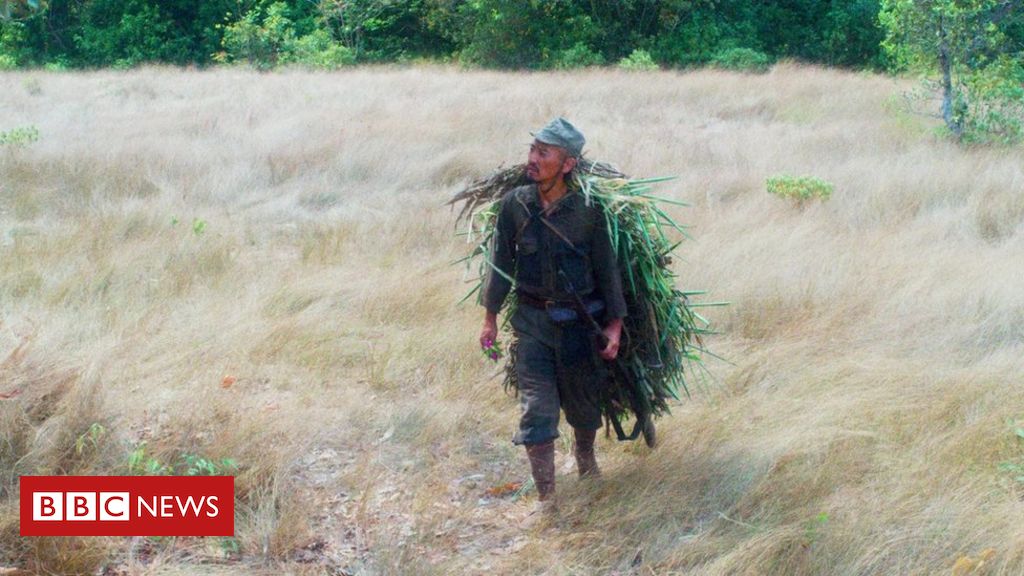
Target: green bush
[
  {"x": 140, "y": 462},
  {"x": 579, "y": 56},
  {"x": 851, "y": 35},
  {"x": 317, "y": 50},
  {"x": 741, "y": 59},
  {"x": 519, "y": 33},
  {"x": 12, "y": 40},
  {"x": 259, "y": 41},
  {"x": 271, "y": 40},
  {"x": 799, "y": 188},
  {"x": 639, "y": 60},
  {"x": 389, "y": 30},
  {"x": 20, "y": 136},
  {"x": 695, "y": 32},
  {"x": 994, "y": 112},
  {"x": 970, "y": 54},
  {"x": 124, "y": 33}
]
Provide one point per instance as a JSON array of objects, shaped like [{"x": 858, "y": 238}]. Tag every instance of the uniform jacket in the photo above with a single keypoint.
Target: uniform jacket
[{"x": 532, "y": 248}]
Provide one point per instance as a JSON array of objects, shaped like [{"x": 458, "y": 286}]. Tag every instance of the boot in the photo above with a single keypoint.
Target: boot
[
  {"x": 586, "y": 461},
  {"x": 650, "y": 433},
  {"x": 542, "y": 465}
]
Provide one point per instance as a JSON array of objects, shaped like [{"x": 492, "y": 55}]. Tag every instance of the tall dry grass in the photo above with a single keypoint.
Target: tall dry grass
[{"x": 173, "y": 227}]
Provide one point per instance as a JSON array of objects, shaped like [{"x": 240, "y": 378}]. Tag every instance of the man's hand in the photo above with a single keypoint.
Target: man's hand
[
  {"x": 489, "y": 333},
  {"x": 612, "y": 332}
]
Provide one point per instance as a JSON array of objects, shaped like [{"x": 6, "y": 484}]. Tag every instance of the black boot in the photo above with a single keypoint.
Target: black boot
[
  {"x": 586, "y": 461},
  {"x": 542, "y": 465}
]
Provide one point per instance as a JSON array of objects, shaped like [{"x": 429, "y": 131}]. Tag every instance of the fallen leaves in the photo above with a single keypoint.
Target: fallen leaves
[{"x": 503, "y": 490}]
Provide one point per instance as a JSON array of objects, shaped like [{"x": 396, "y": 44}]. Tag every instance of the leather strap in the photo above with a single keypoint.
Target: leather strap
[{"x": 540, "y": 303}]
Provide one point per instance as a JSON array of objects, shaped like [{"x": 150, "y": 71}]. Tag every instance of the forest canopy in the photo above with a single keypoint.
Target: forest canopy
[{"x": 533, "y": 34}]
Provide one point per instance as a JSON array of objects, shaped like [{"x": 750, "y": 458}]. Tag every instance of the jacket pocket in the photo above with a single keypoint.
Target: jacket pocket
[{"x": 528, "y": 264}]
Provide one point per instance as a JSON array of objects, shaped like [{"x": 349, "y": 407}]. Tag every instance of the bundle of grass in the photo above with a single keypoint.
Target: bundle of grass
[
  {"x": 800, "y": 189},
  {"x": 662, "y": 334}
]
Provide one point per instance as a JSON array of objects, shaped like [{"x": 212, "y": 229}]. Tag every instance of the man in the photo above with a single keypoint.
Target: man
[{"x": 557, "y": 250}]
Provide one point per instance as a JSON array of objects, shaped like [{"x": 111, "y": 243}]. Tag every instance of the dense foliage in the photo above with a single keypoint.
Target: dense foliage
[
  {"x": 971, "y": 52},
  {"x": 492, "y": 33}
]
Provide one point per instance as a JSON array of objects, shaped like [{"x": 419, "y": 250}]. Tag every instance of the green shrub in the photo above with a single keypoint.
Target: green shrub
[
  {"x": 638, "y": 60},
  {"x": 994, "y": 111},
  {"x": 518, "y": 33},
  {"x": 267, "y": 41},
  {"x": 697, "y": 33},
  {"x": 741, "y": 59},
  {"x": 140, "y": 462},
  {"x": 579, "y": 56},
  {"x": 969, "y": 53},
  {"x": 259, "y": 41},
  {"x": 124, "y": 33},
  {"x": 318, "y": 50},
  {"x": 12, "y": 44},
  {"x": 20, "y": 136},
  {"x": 799, "y": 188}
]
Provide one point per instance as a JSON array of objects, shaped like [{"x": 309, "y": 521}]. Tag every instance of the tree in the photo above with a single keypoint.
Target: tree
[
  {"x": 521, "y": 33},
  {"x": 388, "y": 30},
  {"x": 966, "y": 42},
  {"x": 125, "y": 33},
  {"x": 351, "y": 18},
  {"x": 11, "y": 10},
  {"x": 268, "y": 38},
  {"x": 260, "y": 38},
  {"x": 12, "y": 30}
]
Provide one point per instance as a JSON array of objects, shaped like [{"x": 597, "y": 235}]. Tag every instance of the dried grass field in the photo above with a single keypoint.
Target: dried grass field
[{"x": 256, "y": 267}]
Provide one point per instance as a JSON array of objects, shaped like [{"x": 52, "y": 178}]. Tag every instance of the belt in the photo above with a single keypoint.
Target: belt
[
  {"x": 542, "y": 303},
  {"x": 561, "y": 310}
]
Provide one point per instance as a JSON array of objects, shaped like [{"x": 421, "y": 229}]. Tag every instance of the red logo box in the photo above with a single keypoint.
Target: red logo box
[{"x": 127, "y": 505}]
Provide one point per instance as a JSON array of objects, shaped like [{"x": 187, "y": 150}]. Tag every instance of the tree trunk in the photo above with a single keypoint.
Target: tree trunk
[{"x": 954, "y": 124}]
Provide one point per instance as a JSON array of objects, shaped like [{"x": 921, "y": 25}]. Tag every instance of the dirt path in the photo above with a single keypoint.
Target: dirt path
[{"x": 475, "y": 522}]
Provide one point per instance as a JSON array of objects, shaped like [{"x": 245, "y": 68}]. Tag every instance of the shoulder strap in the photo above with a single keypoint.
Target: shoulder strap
[
  {"x": 530, "y": 216},
  {"x": 539, "y": 214},
  {"x": 562, "y": 236}
]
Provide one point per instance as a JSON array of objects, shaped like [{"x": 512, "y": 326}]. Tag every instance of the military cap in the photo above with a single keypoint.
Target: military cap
[{"x": 559, "y": 132}]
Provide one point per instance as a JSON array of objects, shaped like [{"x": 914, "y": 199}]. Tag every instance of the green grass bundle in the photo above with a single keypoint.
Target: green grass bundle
[
  {"x": 662, "y": 333},
  {"x": 799, "y": 188},
  {"x": 20, "y": 136}
]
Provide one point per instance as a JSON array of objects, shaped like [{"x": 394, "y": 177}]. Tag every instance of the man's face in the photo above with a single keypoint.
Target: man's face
[{"x": 546, "y": 162}]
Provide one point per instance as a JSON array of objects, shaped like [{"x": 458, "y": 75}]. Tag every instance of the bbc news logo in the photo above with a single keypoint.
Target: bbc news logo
[
  {"x": 81, "y": 506},
  {"x": 127, "y": 505}
]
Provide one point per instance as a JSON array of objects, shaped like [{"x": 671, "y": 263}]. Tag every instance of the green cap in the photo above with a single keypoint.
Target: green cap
[{"x": 559, "y": 132}]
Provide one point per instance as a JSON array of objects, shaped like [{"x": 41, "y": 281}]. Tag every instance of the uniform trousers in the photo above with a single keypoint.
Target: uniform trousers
[{"x": 557, "y": 366}]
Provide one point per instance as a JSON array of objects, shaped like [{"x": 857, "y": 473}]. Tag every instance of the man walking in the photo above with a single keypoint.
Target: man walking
[{"x": 556, "y": 249}]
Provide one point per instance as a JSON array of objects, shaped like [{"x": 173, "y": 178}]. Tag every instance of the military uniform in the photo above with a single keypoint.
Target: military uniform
[{"x": 551, "y": 255}]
